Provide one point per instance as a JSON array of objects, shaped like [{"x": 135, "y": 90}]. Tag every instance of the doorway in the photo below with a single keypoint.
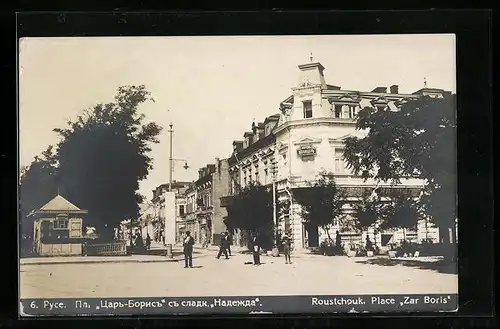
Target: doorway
[{"x": 312, "y": 236}]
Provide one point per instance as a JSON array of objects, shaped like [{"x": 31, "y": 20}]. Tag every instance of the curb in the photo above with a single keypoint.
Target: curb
[{"x": 106, "y": 261}]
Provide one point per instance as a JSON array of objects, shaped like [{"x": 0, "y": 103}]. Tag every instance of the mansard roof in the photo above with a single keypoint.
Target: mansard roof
[{"x": 274, "y": 117}]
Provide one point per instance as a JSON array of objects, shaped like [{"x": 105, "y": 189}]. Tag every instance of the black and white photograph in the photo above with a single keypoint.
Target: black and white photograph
[{"x": 204, "y": 174}]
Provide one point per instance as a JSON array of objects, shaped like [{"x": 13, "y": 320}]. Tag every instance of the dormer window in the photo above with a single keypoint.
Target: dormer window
[{"x": 308, "y": 109}]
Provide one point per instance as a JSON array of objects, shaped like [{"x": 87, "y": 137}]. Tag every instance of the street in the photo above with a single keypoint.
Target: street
[{"x": 308, "y": 275}]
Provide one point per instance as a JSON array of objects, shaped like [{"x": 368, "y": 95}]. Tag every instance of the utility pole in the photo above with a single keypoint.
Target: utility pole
[
  {"x": 170, "y": 171},
  {"x": 275, "y": 219},
  {"x": 170, "y": 159}
]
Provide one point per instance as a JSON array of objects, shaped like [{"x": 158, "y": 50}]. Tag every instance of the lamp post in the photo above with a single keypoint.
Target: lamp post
[
  {"x": 170, "y": 179},
  {"x": 275, "y": 219}
]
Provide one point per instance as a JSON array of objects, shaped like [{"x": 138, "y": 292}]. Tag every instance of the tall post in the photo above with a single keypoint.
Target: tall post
[
  {"x": 170, "y": 159},
  {"x": 170, "y": 174},
  {"x": 275, "y": 219},
  {"x": 275, "y": 250}
]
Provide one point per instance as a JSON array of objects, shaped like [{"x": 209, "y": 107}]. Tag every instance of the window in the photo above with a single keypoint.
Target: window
[
  {"x": 352, "y": 112},
  {"x": 338, "y": 111},
  {"x": 76, "y": 228},
  {"x": 308, "y": 112},
  {"x": 61, "y": 223},
  {"x": 256, "y": 174},
  {"x": 340, "y": 166},
  {"x": 345, "y": 111},
  {"x": 181, "y": 210}
]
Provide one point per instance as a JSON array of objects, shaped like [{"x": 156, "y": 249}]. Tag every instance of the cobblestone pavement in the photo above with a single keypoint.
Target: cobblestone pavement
[{"x": 308, "y": 275}]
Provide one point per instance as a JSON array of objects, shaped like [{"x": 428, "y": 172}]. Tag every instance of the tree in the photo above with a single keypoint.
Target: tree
[
  {"x": 38, "y": 184},
  {"x": 321, "y": 202},
  {"x": 369, "y": 212},
  {"x": 252, "y": 211},
  {"x": 103, "y": 155},
  {"x": 402, "y": 212},
  {"x": 417, "y": 140}
]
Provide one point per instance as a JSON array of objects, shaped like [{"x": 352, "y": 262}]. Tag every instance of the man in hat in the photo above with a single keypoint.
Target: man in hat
[
  {"x": 223, "y": 246},
  {"x": 188, "y": 250}
]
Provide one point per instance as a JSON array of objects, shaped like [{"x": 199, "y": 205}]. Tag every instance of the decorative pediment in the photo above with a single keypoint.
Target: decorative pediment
[
  {"x": 341, "y": 139},
  {"x": 346, "y": 98},
  {"x": 308, "y": 140},
  {"x": 281, "y": 147}
]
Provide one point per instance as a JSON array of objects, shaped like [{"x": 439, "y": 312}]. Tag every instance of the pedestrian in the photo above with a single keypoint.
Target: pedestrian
[
  {"x": 188, "y": 250},
  {"x": 229, "y": 239},
  {"x": 222, "y": 246},
  {"x": 338, "y": 240},
  {"x": 255, "y": 249},
  {"x": 148, "y": 242},
  {"x": 287, "y": 247}
]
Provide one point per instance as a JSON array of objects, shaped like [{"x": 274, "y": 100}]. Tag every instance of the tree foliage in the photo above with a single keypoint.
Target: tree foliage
[
  {"x": 252, "y": 211},
  {"x": 369, "y": 211},
  {"x": 38, "y": 184},
  {"x": 101, "y": 158},
  {"x": 417, "y": 140},
  {"x": 401, "y": 212},
  {"x": 321, "y": 202}
]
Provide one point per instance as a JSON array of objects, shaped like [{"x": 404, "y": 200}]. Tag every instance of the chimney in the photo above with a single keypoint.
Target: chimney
[{"x": 394, "y": 89}]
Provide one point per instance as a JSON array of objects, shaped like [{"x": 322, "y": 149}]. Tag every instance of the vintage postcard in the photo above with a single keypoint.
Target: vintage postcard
[{"x": 242, "y": 174}]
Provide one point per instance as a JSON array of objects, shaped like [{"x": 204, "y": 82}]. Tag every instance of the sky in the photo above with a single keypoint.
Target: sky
[{"x": 210, "y": 88}]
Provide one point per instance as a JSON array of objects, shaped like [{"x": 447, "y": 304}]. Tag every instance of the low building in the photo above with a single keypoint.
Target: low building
[
  {"x": 146, "y": 220},
  {"x": 58, "y": 228}
]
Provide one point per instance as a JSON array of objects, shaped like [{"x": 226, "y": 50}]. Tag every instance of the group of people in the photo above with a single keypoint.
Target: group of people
[{"x": 225, "y": 248}]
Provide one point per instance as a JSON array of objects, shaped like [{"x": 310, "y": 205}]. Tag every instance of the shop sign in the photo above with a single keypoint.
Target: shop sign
[{"x": 306, "y": 151}]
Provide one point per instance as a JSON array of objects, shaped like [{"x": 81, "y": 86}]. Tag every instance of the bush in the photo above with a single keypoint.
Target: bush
[{"x": 329, "y": 248}]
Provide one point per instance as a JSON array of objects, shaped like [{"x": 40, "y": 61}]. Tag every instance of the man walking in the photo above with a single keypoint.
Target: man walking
[
  {"x": 255, "y": 249},
  {"x": 223, "y": 246},
  {"x": 229, "y": 239},
  {"x": 188, "y": 250}
]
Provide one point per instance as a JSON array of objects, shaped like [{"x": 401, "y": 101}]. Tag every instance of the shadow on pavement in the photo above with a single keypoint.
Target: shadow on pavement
[{"x": 442, "y": 266}]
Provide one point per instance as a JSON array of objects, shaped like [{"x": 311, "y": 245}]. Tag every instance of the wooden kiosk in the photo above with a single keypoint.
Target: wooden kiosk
[{"x": 58, "y": 229}]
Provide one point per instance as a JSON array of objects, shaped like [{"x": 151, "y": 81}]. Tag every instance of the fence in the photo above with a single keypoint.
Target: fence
[{"x": 107, "y": 249}]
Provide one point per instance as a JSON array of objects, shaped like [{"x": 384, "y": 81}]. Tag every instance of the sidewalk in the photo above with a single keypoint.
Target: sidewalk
[{"x": 101, "y": 259}]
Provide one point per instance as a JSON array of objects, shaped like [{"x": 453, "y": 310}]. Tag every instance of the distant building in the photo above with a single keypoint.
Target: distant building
[
  {"x": 146, "y": 220},
  {"x": 58, "y": 228},
  {"x": 158, "y": 206},
  {"x": 307, "y": 138},
  {"x": 204, "y": 215}
]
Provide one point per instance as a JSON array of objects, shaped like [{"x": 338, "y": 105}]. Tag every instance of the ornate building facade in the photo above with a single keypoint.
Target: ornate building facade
[
  {"x": 305, "y": 139},
  {"x": 204, "y": 216}
]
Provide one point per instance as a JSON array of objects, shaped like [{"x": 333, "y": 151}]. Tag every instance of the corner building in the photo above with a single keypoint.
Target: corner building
[{"x": 306, "y": 138}]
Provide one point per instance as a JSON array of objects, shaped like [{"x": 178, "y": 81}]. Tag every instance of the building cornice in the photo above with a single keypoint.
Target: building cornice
[{"x": 314, "y": 122}]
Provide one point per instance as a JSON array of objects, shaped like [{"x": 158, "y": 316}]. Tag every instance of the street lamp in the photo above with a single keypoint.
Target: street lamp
[
  {"x": 275, "y": 220},
  {"x": 171, "y": 173}
]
